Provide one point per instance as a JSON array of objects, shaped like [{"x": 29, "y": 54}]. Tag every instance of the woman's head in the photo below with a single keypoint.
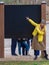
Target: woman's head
[{"x": 42, "y": 23}]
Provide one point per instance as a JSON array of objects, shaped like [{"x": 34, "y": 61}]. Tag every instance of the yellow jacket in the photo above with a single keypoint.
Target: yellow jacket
[{"x": 37, "y": 30}]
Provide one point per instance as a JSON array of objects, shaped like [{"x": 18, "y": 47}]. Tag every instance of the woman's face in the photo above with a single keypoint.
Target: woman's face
[{"x": 42, "y": 25}]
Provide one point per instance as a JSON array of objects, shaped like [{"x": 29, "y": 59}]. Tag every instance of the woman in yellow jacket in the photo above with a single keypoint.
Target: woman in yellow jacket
[{"x": 38, "y": 37}]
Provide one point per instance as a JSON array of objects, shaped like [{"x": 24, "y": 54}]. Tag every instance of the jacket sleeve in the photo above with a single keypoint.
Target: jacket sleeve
[
  {"x": 32, "y": 22},
  {"x": 39, "y": 31}
]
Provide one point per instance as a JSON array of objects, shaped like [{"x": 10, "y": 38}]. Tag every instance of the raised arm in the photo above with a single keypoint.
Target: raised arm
[
  {"x": 39, "y": 31},
  {"x": 31, "y": 21}
]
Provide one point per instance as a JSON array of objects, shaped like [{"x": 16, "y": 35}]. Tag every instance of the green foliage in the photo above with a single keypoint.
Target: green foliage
[{"x": 7, "y": 1}]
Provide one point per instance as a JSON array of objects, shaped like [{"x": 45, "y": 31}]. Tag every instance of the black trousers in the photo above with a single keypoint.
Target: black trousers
[
  {"x": 13, "y": 46},
  {"x": 36, "y": 52}
]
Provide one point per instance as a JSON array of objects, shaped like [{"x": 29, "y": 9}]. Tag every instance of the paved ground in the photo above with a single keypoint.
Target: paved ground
[{"x": 21, "y": 58}]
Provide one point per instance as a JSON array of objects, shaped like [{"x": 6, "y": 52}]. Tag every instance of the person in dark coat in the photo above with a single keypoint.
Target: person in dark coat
[{"x": 13, "y": 46}]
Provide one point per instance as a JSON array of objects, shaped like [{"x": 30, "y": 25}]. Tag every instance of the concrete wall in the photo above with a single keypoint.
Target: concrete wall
[{"x": 47, "y": 37}]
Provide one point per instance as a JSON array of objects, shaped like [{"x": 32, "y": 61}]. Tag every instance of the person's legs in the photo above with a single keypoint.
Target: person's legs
[
  {"x": 46, "y": 55},
  {"x": 28, "y": 47},
  {"x": 26, "y": 52},
  {"x": 23, "y": 50},
  {"x": 19, "y": 48},
  {"x": 36, "y": 53},
  {"x": 25, "y": 46},
  {"x": 13, "y": 46}
]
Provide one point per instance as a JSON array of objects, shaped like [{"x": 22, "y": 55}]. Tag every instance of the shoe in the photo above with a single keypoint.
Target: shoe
[
  {"x": 35, "y": 58},
  {"x": 46, "y": 57},
  {"x": 14, "y": 54}
]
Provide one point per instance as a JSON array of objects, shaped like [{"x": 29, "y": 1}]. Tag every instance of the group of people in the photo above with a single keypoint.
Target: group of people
[
  {"x": 23, "y": 46},
  {"x": 38, "y": 40}
]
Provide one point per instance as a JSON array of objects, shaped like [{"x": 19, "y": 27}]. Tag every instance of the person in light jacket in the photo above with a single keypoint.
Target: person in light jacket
[{"x": 38, "y": 37}]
